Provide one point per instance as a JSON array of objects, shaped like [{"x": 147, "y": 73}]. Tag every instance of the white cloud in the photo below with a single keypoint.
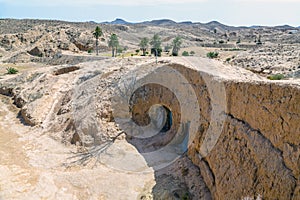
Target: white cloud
[{"x": 98, "y": 2}]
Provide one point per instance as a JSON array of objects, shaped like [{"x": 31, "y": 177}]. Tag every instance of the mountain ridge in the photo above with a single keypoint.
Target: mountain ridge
[{"x": 158, "y": 22}]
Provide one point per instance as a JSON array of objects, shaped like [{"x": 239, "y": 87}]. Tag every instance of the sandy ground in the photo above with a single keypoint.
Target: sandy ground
[{"x": 31, "y": 167}]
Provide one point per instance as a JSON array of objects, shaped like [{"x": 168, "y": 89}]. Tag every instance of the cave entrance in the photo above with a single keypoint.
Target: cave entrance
[
  {"x": 161, "y": 118},
  {"x": 168, "y": 122}
]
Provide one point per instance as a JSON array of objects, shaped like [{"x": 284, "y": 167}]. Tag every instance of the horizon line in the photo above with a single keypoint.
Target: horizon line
[{"x": 144, "y": 21}]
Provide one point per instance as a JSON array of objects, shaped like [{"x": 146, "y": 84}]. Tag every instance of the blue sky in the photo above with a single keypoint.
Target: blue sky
[{"x": 231, "y": 12}]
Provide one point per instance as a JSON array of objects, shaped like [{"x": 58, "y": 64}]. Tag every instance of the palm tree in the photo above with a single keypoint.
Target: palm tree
[
  {"x": 156, "y": 45},
  {"x": 97, "y": 33},
  {"x": 144, "y": 45},
  {"x": 176, "y": 46},
  {"x": 114, "y": 44}
]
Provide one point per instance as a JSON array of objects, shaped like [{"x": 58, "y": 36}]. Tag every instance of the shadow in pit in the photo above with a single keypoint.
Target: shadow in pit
[{"x": 176, "y": 177}]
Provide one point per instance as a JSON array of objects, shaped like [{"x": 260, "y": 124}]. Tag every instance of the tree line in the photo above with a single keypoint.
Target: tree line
[{"x": 155, "y": 43}]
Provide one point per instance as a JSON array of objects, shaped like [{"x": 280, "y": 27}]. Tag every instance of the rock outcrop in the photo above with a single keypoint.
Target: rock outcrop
[{"x": 257, "y": 153}]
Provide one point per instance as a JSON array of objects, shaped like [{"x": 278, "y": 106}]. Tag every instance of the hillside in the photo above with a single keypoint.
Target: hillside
[{"x": 23, "y": 41}]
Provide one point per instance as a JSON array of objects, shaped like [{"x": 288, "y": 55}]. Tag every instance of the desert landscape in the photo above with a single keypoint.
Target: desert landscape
[{"x": 218, "y": 120}]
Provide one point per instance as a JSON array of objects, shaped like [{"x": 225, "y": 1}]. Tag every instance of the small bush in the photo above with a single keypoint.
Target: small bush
[
  {"x": 159, "y": 51},
  {"x": 221, "y": 42},
  {"x": 11, "y": 70},
  {"x": 212, "y": 54},
  {"x": 276, "y": 77},
  {"x": 120, "y": 50},
  {"x": 137, "y": 51},
  {"x": 185, "y": 53},
  {"x": 174, "y": 54},
  {"x": 89, "y": 51},
  {"x": 192, "y": 52},
  {"x": 132, "y": 54},
  {"x": 228, "y": 59}
]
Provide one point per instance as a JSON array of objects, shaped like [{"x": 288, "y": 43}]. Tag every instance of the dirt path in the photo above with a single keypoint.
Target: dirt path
[{"x": 31, "y": 168}]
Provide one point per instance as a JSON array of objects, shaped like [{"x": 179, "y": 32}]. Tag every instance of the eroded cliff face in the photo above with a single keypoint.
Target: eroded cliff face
[
  {"x": 257, "y": 153},
  {"x": 257, "y": 149}
]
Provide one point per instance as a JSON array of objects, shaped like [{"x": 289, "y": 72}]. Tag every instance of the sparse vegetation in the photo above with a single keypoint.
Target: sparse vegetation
[
  {"x": 176, "y": 46},
  {"x": 156, "y": 52},
  {"x": 97, "y": 33},
  {"x": 185, "y": 53},
  {"x": 212, "y": 54},
  {"x": 259, "y": 40},
  {"x": 120, "y": 50},
  {"x": 276, "y": 77},
  {"x": 11, "y": 70},
  {"x": 192, "y": 53},
  {"x": 113, "y": 43},
  {"x": 144, "y": 45},
  {"x": 156, "y": 45}
]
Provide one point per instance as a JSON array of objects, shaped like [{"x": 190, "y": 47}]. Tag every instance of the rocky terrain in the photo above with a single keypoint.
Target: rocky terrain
[
  {"x": 224, "y": 130},
  {"x": 265, "y": 50}
]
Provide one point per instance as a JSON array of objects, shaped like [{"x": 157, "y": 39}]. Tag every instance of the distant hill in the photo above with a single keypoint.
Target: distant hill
[
  {"x": 118, "y": 21},
  {"x": 209, "y": 26},
  {"x": 160, "y": 22},
  {"x": 285, "y": 27},
  {"x": 281, "y": 27},
  {"x": 219, "y": 26}
]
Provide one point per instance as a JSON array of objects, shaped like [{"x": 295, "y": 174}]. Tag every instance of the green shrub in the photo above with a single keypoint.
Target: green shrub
[
  {"x": 221, "y": 42},
  {"x": 228, "y": 59},
  {"x": 137, "y": 51},
  {"x": 132, "y": 54},
  {"x": 192, "y": 52},
  {"x": 185, "y": 53},
  {"x": 120, "y": 50},
  {"x": 11, "y": 70},
  {"x": 276, "y": 77},
  {"x": 159, "y": 51},
  {"x": 212, "y": 54},
  {"x": 89, "y": 50},
  {"x": 186, "y": 196}
]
